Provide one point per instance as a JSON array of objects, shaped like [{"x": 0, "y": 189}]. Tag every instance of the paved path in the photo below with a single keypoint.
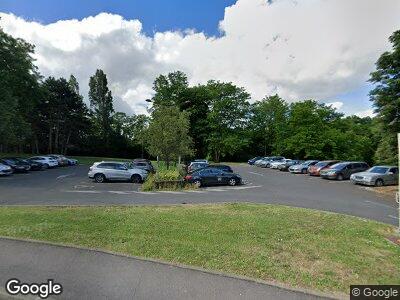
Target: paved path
[
  {"x": 86, "y": 274},
  {"x": 70, "y": 186}
]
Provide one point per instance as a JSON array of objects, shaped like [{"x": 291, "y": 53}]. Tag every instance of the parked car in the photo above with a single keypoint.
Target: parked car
[
  {"x": 5, "y": 170},
  {"x": 224, "y": 168},
  {"x": 321, "y": 165},
  {"x": 212, "y": 176},
  {"x": 377, "y": 176},
  {"x": 61, "y": 159},
  {"x": 118, "y": 171},
  {"x": 277, "y": 163},
  {"x": 267, "y": 162},
  {"x": 196, "y": 165},
  {"x": 253, "y": 160},
  {"x": 343, "y": 170},
  {"x": 17, "y": 165},
  {"x": 72, "y": 161},
  {"x": 144, "y": 164},
  {"x": 286, "y": 165},
  {"x": 261, "y": 161},
  {"x": 35, "y": 165},
  {"x": 47, "y": 161},
  {"x": 303, "y": 167},
  {"x": 201, "y": 161}
]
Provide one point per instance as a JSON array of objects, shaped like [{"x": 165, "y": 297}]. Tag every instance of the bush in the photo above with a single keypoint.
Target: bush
[{"x": 165, "y": 176}]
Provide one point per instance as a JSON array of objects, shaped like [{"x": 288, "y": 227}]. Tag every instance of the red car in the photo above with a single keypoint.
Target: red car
[{"x": 324, "y": 164}]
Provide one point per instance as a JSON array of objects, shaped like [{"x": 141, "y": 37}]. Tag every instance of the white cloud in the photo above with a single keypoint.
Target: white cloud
[
  {"x": 365, "y": 113},
  {"x": 337, "y": 105},
  {"x": 306, "y": 49}
]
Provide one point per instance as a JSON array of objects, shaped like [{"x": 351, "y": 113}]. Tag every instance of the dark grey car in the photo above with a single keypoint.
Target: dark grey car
[{"x": 344, "y": 170}]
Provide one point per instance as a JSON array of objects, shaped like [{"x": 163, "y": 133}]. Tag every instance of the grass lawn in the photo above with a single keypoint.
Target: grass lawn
[{"x": 299, "y": 247}]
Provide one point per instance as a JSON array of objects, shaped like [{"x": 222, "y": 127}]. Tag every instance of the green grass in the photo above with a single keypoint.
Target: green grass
[{"x": 299, "y": 247}]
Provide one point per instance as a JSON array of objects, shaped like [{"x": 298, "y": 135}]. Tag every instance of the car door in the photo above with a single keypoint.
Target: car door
[
  {"x": 392, "y": 178},
  {"x": 219, "y": 177},
  {"x": 121, "y": 172},
  {"x": 207, "y": 177}
]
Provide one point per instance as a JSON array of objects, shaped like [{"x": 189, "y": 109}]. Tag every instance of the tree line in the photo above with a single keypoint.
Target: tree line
[{"x": 214, "y": 120}]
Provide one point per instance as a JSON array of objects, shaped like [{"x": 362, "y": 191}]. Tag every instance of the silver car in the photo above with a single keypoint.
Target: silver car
[
  {"x": 118, "y": 171},
  {"x": 5, "y": 170},
  {"x": 377, "y": 176}
]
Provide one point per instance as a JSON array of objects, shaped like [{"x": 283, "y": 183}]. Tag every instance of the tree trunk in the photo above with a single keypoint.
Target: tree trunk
[
  {"x": 56, "y": 142},
  {"x": 66, "y": 143},
  {"x": 49, "y": 148}
]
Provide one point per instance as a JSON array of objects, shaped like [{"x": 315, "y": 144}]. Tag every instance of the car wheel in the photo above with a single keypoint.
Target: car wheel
[
  {"x": 45, "y": 166},
  {"x": 304, "y": 171},
  {"x": 339, "y": 177},
  {"x": 379, "y": 182},
  {"x": 232, "y": 182},
  {"x": 136, "y": 178},
  {"x": 100, "y": 178},
  {"x": 197, "y": 183}
]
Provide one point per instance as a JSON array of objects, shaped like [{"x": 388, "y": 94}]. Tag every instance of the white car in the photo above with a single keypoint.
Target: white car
[
  {"x": 276, "y": 164},
  {"x": 5, "y": 170},
  {"x": 116, "y": 170},
  {"x": 47, "y": 161}
]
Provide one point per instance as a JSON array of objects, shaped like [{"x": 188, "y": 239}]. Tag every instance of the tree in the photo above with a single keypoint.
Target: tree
[
  {"x": 101, "y": 103},
  {"x": 168, "y": 134},
  {"x": 386, "y": 98},
  {"x": 227, "y": 119},
  {"x": 19, "y": 91},
  {"x": 269, "y": 124},
  {"x": 170, "y": 89},
  {"x": 63, "y": 114}
]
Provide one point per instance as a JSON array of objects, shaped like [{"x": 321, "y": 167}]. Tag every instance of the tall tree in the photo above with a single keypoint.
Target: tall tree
[
  {"x": 269, "y": 124},
  {"x": 19, "y": 91},
  {"x": 101, "y": 103},
  {"x": 386, "y": 98},
  {"x": 168, "y": 134},
  {"x": 227, "y": 119}
]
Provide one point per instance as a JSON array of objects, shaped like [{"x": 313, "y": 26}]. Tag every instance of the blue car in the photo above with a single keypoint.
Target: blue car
[{"x": 253, "y": 160}]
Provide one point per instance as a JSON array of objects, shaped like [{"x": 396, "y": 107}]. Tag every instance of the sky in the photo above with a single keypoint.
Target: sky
[{"x": 310, "y": 49}]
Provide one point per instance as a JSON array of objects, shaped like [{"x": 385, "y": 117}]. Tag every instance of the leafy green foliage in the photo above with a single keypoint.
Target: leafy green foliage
[
  {"x": 168, "y": 134},
  {"x": 386, "y": 98}
]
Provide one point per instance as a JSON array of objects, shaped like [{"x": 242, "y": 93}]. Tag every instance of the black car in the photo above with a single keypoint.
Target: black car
[
  {"x": 35, "y": 165},
  {"x": 224, "y": 168},
  {"x": 212, "y": 176},
  {"x": 15, "y": 164}
]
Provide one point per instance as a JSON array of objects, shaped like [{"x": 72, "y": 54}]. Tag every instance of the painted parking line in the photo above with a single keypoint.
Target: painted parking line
[
  {"x": 216, "y": 190},
  {"x": 393, "y": 217},
  {"x": 146, "y": 193},
  {"x": 197, "y": 192},
  {"x": 120, "y": 192},
  {"x": 88, "y": 192},
  {"x": 245, "y": 187},
  {"x": 255, "y": 173},
  {"x": 64, "y": 176},
  {"x": 171, "y": 192},
  {"x": 378, "y": 204}
]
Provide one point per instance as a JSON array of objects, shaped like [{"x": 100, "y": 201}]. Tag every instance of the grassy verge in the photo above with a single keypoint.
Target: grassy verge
[{"x": 300, "y": 247}]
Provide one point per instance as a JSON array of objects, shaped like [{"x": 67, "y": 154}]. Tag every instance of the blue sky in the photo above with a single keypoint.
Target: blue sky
[{"x": 155, "y": 15}]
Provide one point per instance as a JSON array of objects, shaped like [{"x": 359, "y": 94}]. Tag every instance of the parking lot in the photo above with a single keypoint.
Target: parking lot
[{"x": 70, "y": 186}]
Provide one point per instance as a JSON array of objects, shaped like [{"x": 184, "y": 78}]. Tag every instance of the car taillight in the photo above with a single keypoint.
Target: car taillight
[{"x": 188, "y": 177}]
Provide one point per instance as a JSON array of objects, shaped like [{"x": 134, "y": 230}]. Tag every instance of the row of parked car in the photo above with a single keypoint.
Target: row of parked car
[
  {"x": 357, "y": 172},
  {"x": 199, "y": 172},
  {"x": 10, "y": 165}
]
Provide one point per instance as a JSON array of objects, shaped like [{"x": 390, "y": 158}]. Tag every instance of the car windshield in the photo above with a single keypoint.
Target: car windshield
[
  {"x": 307, "y": 162},
  {"x": 378, "y": 170},
  {"x": 322, "y": 164}
]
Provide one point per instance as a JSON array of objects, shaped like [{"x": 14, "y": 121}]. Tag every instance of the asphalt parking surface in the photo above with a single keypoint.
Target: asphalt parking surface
[{"x": 71, "y": 186}]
